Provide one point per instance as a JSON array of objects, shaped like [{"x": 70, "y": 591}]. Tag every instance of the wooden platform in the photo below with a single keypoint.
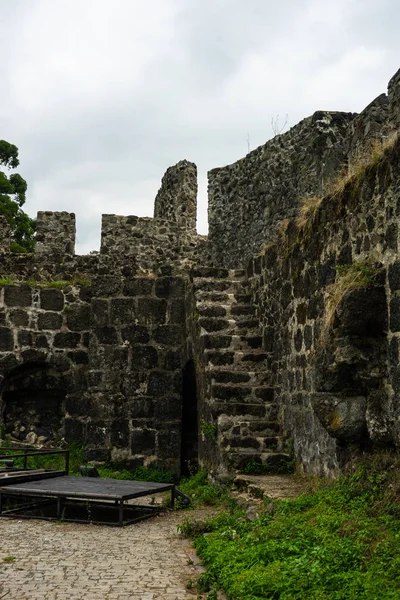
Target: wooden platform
[{"x": 62, "y": 493}]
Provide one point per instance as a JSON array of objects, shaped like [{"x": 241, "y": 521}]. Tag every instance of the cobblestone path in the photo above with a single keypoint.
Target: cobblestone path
[{"x": 146, "y": 561}]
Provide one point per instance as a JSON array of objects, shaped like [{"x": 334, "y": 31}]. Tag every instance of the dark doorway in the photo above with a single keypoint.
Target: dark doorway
[
  {"x": 33, "y": 405},
  {"x": 189, "y": 449}
]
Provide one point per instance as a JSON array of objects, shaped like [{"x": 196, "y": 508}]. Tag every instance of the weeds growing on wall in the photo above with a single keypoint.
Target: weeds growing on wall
[
  {"x": 61, "y": 284},
  {"x": 354, "y": 171},
  {"x": 348, "y": 277},
  {"x": 340, "y": 542}
]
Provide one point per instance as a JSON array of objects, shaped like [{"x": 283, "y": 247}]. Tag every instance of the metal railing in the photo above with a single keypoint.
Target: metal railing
[{"x": 24, "y": 453}]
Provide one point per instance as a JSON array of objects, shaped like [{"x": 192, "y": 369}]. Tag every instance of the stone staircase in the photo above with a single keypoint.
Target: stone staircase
[{"x": 238, "y": 389}]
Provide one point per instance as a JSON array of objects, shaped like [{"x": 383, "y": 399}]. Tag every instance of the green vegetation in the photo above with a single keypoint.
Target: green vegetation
[
  {"x": 209, "y": 430},
  {"x": 119, "y": 471},
  {"x": 202, "y": 492},
  {"x": 284, "y": 467},
  {"x": 12, "y": 196},
  {"x": 349, "y": 277},
  {"x": 340, "y": 542},
  {"x": 9, "y": 559},
  {"x": 61, "y": 284}
]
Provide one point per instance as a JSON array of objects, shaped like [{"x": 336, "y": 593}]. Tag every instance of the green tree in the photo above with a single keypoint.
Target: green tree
[{"x": 12, "y": 196}]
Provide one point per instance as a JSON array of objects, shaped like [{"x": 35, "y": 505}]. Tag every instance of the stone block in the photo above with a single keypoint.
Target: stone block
[
  {"x": 170, "y": 287},
  {"x": 394, "y": 276},
  {"x": 123, "y": 311},
  {"x": 8, "y": 362},
  {"x": 177, "y": 311},
  {"x": 142, "y": 407},
  {"x": 120, "y": 433},
  {"x": 173, "y": 360},
  {"x": 138, "y": 286},
  {"x": 6, "y": 339},
  {"x": 168, "y": 335},
  {"x": 144, "y": 357},
  {"x": 17, "y": 295},
  {"x": 19, "y": 317},
  {"x": 74, "y": 430},
  {"x": 78, "y": 317},
  {"x": 97, "y": 433},
  {"x": 79, "y": 357},
  {"x": 106, "y": 285},
  {"x": 395, "y": 313},
  {"x": 160, "y": 383},
  {"x": 168, "y": 444},
  {"x": 143, "y": 441},
  {"x": 25, "y": 338},
  {"x": 49, "y": 321},
  {"x": 99, "y": 312},
  {"x": 106, "y": 335},
  {"x": 151, "y": 310},
  {"x": 51, "y": 299},
  {"x": 135, "y": 334},
  {"x": 67, "y": 339},
  {"x": 168, "y": 408}
]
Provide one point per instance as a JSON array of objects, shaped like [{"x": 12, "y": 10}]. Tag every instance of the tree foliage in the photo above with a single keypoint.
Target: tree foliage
[{"x": 12, "y": 197}]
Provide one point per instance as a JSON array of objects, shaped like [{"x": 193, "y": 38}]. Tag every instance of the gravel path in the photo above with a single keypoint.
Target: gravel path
[{"x": 144, "y": 561}]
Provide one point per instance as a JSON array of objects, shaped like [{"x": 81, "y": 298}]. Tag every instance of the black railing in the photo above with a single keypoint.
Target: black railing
[{"x": 25, "y": 453}]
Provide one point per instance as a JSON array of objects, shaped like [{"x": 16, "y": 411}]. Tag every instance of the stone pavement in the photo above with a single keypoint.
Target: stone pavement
[{"x": 144, "y": 561}]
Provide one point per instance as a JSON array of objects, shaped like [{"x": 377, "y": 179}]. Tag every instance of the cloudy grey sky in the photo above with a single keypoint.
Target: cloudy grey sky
[{"x": 101, "y": 96}]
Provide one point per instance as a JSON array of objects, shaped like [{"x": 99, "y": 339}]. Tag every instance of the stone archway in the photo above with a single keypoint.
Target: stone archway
[{"x": 33, "y": 404}]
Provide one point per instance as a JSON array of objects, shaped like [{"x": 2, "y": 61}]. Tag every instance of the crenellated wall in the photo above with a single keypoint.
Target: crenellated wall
[{"x": 126, "y": 346}]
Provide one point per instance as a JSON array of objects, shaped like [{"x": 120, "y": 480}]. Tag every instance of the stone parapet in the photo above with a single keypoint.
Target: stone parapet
[{"x": 55, "y": 233}]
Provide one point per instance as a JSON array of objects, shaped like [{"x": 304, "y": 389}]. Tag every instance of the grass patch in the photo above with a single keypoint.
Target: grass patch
[
  {"x": 9, "y": 559},
  {"x": 203, "y": 493},
  {"x": 340, "y": 542},
  {"x": 283, "y": 467},
  {"x": 119, "y": 471},
  {"x": 60, "y": 284}
]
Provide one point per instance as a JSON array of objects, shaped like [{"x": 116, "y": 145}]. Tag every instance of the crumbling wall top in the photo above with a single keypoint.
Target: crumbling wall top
[
  {"x": 55, "y": 232},
  {"x": 176, "y": 200}
]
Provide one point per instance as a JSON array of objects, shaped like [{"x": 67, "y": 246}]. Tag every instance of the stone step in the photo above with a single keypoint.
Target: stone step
[
  {"x": 225, "y": 297},
  {"x": 275, "y": 461},
  {"x": 242, "y": 392},
  {"x": 275, "y": 487},
  {"x": 231, "y": 311},
  {"x": 248, "y": 361},
  {"x": 221, "y": 285},
  {"x": 261, "y": 444},
  {"x": 236, "y": 342},
  {"x": 245, "y": 410},
  {"x": 217, "y": 273},
  {"x": 237, "y": 325},
  {"x": 253, "y": 378}
]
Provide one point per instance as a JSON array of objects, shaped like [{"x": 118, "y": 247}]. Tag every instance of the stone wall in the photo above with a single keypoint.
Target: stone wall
[
  {"x": 44, "y": 341},
  {"x": 249, "y": 198},
  {"x": 135, "y": 370},
  {"x": 328, "y": 300},
  {"x": 176, "y": 200}
]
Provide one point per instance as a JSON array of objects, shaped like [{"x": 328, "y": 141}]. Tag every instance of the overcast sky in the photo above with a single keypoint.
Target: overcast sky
[{"x": 102, "y": 96}]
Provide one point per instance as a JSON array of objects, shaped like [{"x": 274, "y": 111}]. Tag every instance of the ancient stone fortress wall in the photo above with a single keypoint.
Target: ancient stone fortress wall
[
  {"x": 151, "y": 353},
  {"x": 92, "y": 349},
  {"x": 44, "y": 339},
  {"x": 250, "y": 197},
  {"x": 328, "y": 300}
]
